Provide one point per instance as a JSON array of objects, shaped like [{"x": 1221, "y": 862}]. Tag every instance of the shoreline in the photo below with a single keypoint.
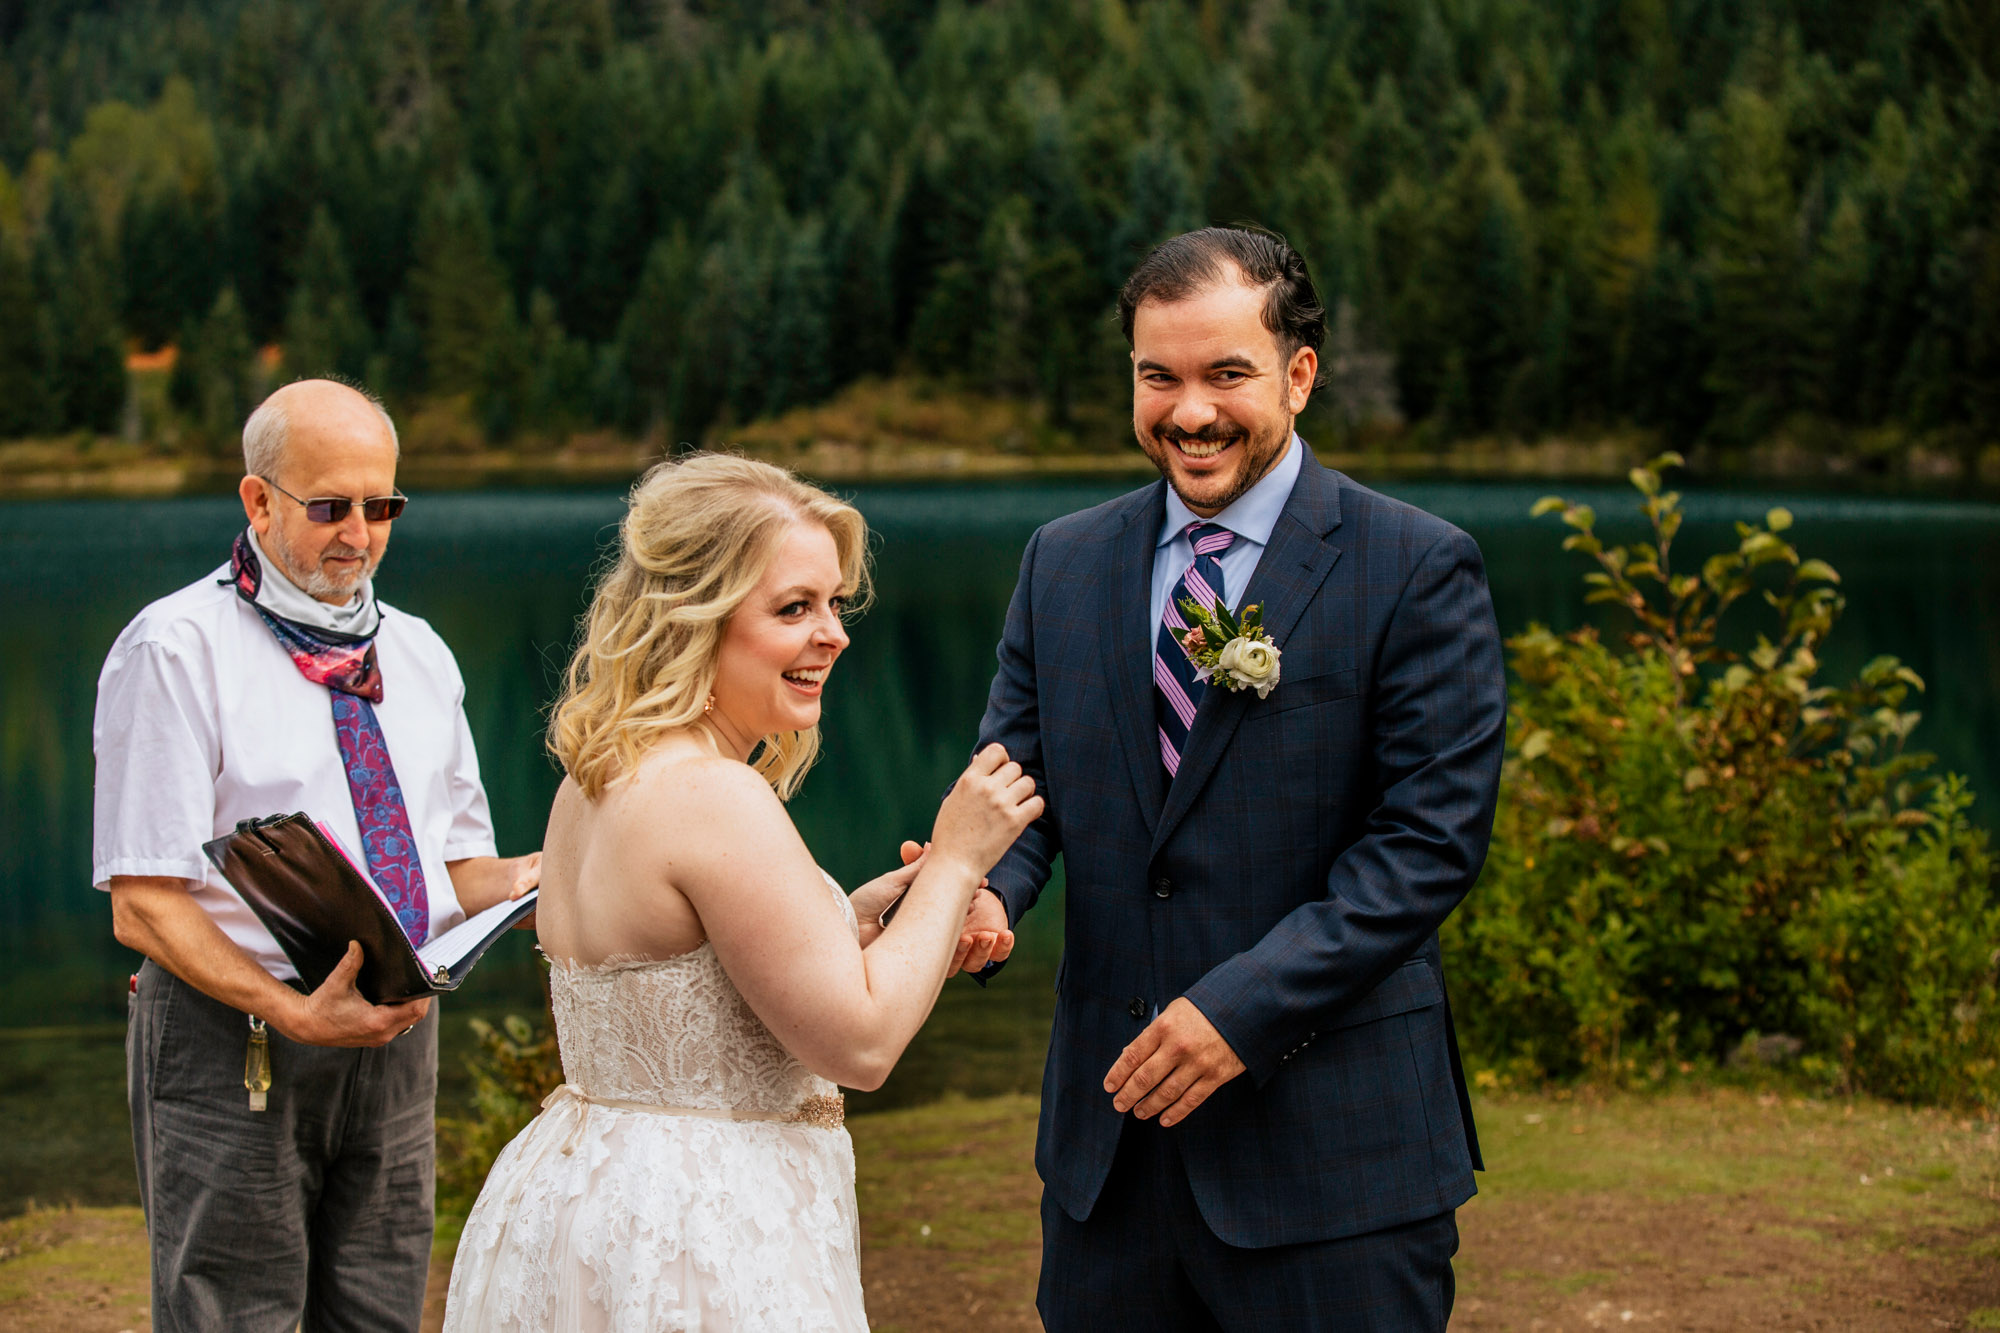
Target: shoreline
[{"x": 109, "y": 469}]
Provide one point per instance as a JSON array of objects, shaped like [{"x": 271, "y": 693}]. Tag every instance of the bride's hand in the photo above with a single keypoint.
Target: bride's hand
[
  {"x": 986, "y": 809},
  {"x": 873, "y": 898}
]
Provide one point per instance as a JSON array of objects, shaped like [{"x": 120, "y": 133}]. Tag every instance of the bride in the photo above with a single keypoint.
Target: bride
[{"x": 710, "y": 984}]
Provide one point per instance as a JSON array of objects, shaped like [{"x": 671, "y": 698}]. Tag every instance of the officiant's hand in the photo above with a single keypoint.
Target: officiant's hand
[
  {"x": 1172, "y": 1067},
  {"x": 986, "y": 937},
  {"x": 480, "y": 882},
  {"x": 339, "y": 1015}
]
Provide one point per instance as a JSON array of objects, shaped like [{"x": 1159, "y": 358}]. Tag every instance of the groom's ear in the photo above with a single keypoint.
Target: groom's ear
[{"x": 1300, "y": 377}]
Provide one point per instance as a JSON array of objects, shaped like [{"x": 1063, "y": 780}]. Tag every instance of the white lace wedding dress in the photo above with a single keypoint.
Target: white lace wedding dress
[{"x": 689, "y": 1175}]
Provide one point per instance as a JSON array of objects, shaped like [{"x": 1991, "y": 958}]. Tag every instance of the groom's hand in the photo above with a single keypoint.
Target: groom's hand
[
  {"x": 985, "y": 938},
  {"x": 1172, "y": 1067}
]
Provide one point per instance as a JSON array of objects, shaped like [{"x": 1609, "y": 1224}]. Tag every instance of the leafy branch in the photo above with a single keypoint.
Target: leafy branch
[{"x": 1680, "y": 614}]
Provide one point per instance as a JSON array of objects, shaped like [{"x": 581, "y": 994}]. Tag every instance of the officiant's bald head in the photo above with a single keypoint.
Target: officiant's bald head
[
  {"x": 307, "y": 410},
  {"x": 319, "y": 440}
]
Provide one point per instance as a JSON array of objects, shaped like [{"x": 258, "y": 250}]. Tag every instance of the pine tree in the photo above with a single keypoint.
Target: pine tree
[
  {"x": 649, "y": 344},
  {"x": 325, "y": 333},
  {"x": 1836, "y": 292},
  {"x": 616, "y": 241},
  {"x": 213, "y": 375},
  {"x": 506, "y": 377},
  {"x": 861, "y": 227},
  {"x": 1481, "y": 266},
  {"x": 169, "y": 260},
  {"x": 1006, "y": 357},
  {"x": 1404, "y": 232},
  {"x": 796, "y": 349},
  {"x": 1983, "y": 341},
  {"x": 86, "y": 359},
  {"x": 457, "y": 288},
  {"x": 560, "y": 372},
  {"x": 1752, "y": 255},
  {"x": 24, "y": 401},
  {"x": 1668, "y": 359},
  {"x": 1160, "y": 202},
  {"x": 1618, "y": 256}
]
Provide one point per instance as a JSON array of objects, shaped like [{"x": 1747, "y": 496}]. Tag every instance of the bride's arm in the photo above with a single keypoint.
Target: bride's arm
[
  {"x": 845, "y": 1013},
  {"x": 979, "y": 942}
]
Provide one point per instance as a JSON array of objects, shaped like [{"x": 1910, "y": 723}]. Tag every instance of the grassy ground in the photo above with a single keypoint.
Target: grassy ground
[
  {"x": 1694, "y": 1209},
  {"x": 64, "y": 1133}
]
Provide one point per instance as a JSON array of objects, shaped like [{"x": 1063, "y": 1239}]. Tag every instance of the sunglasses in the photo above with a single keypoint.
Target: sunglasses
[{"x": 334, "y": 508}]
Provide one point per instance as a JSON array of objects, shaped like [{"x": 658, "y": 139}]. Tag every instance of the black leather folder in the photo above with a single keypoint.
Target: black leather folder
[{"x": 311, "y": 898}]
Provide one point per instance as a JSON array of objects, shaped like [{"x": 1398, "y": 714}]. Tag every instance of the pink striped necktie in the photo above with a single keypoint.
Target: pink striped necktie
[{"x": 1176, "y": 690}]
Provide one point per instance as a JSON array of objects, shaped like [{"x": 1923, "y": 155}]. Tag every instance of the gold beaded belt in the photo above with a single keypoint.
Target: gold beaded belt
[{"x": 821, "y": 1112}]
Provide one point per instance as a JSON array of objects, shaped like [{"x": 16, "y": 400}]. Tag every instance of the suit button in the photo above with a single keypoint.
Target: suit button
[
  {"x": 1163, "y": 887},
  {"x": 1138, "y": 1007}
]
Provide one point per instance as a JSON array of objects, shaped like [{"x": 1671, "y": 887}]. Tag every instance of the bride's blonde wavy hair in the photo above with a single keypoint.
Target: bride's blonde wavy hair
[{"x": 698, "y": 535}]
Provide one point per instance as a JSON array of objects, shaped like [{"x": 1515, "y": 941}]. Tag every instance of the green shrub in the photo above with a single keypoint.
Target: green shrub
[
  {"x": 517, "y": 1065},
  {"x": 1695, "y": 846}
]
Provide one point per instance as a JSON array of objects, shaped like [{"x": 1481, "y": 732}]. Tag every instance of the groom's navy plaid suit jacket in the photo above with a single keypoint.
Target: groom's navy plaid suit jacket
[{"x": 1290, "y": 880}]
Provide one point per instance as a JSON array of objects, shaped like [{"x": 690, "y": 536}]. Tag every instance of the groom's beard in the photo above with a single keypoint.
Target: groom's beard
[{"x": 1258, "y": 457}]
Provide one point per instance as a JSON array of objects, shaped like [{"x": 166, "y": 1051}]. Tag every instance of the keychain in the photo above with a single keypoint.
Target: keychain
[{"x": 257, "y": 1064}]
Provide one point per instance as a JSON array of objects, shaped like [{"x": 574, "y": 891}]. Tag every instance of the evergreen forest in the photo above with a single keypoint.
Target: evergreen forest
[{"x": 1711, "y": 221}]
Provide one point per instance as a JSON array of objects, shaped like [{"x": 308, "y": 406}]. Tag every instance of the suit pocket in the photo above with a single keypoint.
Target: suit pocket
[
  {"x": 1414, "y": 985},
  {"x": 1327, "y": 687}
]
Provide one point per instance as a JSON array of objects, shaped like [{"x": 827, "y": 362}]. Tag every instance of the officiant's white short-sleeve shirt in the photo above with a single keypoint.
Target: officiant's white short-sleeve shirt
[{"x": 203, "y": 720}]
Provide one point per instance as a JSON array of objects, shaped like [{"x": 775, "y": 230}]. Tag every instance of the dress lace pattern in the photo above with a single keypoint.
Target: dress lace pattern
[{"x": 605, "y": 1219}]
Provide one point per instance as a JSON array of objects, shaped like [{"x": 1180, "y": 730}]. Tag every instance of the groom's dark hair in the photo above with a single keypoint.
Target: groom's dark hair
[{"x": 1196, "y": 260}]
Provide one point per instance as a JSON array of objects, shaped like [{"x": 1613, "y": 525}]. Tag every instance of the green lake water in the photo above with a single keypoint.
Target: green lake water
[{"x": 502, "y": 576}]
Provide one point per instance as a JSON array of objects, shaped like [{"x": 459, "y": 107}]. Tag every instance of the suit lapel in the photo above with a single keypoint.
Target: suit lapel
[
  {"x": 1128, "y": 649},
  {"x": 1288, "y": 574}
]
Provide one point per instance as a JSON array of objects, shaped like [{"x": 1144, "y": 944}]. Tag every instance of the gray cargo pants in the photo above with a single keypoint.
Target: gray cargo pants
[{"x": 315, "y": 1213}]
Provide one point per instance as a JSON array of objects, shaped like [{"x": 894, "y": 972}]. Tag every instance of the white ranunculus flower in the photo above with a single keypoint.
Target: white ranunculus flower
[{"x": 1251, "y": 662}]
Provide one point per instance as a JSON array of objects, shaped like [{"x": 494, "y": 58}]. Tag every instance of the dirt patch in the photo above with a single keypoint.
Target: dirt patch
[
  {"x": 1713, "y": 1211},
  {"x": 1722, "y": 1209},
  {"x": 910, "y": 1293},
  {"x": 950, "y": 1227},
  {"x": 74, "y": 1270},
  {"x": 1721, "y": 1264},
  {"x": 435, "y": 1288}
]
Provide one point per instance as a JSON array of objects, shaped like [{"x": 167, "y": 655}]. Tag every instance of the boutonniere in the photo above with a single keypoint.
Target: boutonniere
[{"x": 1237, "y": 655}]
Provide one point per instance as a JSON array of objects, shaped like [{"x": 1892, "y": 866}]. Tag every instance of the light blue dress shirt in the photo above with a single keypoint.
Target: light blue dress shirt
[{"x": 1252, "y": 517}]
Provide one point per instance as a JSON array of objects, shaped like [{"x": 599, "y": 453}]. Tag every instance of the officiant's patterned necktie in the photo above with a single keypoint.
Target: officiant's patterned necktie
[
  {"x": 349, "y": 670},
  {"x": 1176, "y": 690}
]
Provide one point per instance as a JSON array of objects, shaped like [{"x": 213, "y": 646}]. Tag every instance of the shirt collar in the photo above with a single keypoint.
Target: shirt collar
[
  {"x": 281, "y": 597},
  {"x": 1254, "y": 513}
]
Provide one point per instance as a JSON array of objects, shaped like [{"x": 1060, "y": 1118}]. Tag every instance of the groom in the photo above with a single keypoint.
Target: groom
[{"x": 1253, "y": 1115}]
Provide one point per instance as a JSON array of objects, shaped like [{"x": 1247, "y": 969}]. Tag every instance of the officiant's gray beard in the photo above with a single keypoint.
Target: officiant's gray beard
[
  {"x": 319, "y": 583},
  {"x": 313, "y": 580}
]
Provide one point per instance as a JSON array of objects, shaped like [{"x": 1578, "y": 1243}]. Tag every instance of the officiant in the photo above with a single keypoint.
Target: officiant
[{"x": 284, "y": 1138}]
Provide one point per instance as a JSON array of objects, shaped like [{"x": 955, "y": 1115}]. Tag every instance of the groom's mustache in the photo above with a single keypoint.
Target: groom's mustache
[{"x": 1214, "y": 433}]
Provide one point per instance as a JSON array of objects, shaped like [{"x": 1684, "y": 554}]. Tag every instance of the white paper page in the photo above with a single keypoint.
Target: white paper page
[{"x": 451, "y": 947}]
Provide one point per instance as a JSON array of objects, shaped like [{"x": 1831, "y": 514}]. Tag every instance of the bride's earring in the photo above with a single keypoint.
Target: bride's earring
[{"x": 708, "y": 707}]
